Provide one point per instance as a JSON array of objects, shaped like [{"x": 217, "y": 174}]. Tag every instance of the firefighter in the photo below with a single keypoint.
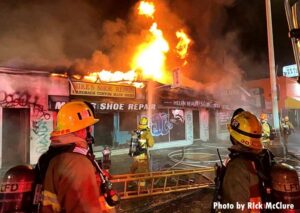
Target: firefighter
[
  {"x": 141, "y": 156},
  {"x": 266, "y": 130},
  {"x": 241, "y": 183},
  {"x": 286, "y": 128},
  {"x": 70, "y": 183}
]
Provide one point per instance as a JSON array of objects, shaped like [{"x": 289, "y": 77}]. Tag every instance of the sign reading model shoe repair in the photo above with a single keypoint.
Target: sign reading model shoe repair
[
  {"x": 102, "y": 90},
  {"x": 103, "y": 106}
]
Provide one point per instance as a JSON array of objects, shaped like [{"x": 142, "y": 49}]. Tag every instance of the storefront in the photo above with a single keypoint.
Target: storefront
[
  {"x": 29, "y": 101},
  {"x": 288, "y": 91},
  {"x": 25, "y": 121},
  {"x": 173, "y": 122},
  {"x": 119, "y": 114},
  {"x": 203, "y": 114}
]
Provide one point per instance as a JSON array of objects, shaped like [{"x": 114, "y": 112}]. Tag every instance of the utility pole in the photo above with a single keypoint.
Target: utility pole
[{"x": 272, "y": 66}]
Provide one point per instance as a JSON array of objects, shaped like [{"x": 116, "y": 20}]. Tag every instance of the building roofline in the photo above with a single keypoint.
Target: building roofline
[{"x": 21, "y": 71}]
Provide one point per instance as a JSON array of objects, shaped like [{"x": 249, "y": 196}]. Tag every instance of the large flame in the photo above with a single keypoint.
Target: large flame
[
  {"x": 149, "y": 60},
  {"x": 109, "y": 76},
  {"x": 146, "y": 8},
  {"x": 183, "y": 44},
  {"x": 150, "y": 57}
]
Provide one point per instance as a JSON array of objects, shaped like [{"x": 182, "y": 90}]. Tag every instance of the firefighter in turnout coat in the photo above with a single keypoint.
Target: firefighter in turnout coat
[
  {"x": 71, "y": 183},
  {"x": 140, "y": 162},
  {"x": 241, "y": 182},
  {"x": 266, "y": 130},
  {"x": 286, "y": 128}
]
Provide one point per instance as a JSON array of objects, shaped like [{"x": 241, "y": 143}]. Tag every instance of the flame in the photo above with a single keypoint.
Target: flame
[
  {"x": 146, "y": 8},
  {"x": 109, "y": 76},
  {"x": 151, "y": 55},
  {"x": 149, "y": 60},
  {"x": 183, "y": 44},
  {"x": 105, "y": 75},
  {"x": 63, "y": 75},
  {"x": 91, "y": 77}
]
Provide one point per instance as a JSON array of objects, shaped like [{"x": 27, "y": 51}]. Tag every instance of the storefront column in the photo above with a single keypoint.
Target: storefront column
[{"x": 189, "y": 126}]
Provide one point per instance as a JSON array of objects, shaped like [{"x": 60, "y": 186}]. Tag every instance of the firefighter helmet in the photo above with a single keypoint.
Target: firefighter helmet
[
  {"x": 263, "y": 116},
  {"x": 285, "y": 184},
  {"x": 72, "y": 117},
  {"x": 16, "y": 194},
  {"x": 286, "y": 118},
  {"x": 246, "y": 130},
  {"x": 143, "y": 123}
]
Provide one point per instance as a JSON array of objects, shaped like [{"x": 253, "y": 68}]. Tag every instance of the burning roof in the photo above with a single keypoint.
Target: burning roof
[{"x": 144, "y": 41}]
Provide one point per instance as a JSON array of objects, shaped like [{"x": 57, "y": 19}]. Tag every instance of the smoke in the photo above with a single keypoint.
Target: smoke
[
  {"x": 79, "y": 35},
  {"x": 46, "y": 33},
  {"x": 213, "y": 57}
]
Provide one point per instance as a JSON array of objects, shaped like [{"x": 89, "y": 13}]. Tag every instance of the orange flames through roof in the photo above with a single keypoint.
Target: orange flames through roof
[{"x": 150, "y": 56}]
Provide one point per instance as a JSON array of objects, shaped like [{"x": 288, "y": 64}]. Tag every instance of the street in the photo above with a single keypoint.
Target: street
[{"x": 199, "y": 155}]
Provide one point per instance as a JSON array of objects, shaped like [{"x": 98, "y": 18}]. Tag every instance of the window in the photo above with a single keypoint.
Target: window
[{"x": 177, "y": 132}]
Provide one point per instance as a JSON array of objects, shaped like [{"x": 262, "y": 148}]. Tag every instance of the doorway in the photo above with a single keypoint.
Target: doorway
[
  {"x": 15, "y": 136},
  {"x": 103, "y": 130}
]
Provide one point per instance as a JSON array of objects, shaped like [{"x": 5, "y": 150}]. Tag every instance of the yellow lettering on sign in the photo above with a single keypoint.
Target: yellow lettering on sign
[{"x": 92, "y": 89}]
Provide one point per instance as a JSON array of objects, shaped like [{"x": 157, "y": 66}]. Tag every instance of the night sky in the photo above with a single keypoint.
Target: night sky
[
  {"x": 48, "y": 34},
  {"x": 253, "y": 32}
]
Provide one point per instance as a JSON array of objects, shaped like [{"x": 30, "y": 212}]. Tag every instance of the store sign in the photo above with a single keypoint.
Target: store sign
[
  {"x": 103, "y": 106},
  {"x": 102, "y": 90},
  {"x": 290, "y": 71},
  {"x": 55, "y": 102},
  {"x": 190, "y": 103}
]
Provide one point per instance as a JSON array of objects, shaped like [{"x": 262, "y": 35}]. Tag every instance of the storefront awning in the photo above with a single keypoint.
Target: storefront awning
[{"x": 292, "y": 103}]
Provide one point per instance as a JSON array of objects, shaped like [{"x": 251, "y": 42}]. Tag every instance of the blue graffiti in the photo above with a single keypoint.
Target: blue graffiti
[
  {"x": 41, "y": 130},
  {"x": 160, "y": 124}
]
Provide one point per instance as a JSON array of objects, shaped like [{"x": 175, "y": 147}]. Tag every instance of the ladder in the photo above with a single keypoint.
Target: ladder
[{"x": 162, "y": 182}]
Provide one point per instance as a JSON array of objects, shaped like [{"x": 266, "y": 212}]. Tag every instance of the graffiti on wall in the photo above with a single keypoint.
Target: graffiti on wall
[
  {"x": 23, "y": 99},
  {"x": 41, "y": 130},
  {"x": 160, "y": 124},
  {"x": 40, "y": 118}
]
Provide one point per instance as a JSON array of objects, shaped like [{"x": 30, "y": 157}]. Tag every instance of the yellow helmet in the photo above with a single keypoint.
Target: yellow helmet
[
  {"x": 143, "y": 123},
  {"x": 72, "y": 117},
  {"x": 246, "y": 130},
  {"x": 263, "y": 116}
]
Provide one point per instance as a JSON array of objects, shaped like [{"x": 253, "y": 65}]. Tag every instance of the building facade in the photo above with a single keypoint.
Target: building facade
[
  {"x": 288, "y": 92},
  {"x": 25, "y": 120},
  {"x": 29, "y": 101}
]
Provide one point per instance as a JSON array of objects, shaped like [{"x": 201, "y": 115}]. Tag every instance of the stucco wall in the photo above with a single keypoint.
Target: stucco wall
[
  {"x": 31, "y": 91},
  {"x": 204, "y": 124}
]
